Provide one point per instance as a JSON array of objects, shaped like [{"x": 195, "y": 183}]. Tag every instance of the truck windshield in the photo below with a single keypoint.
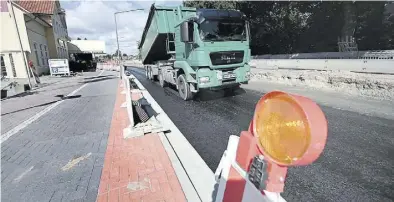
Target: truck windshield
[{"x": 222, "y": 30}]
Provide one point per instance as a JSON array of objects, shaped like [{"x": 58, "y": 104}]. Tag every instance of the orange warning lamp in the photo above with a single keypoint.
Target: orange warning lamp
[
  {"x": 290, "y": 129},
  {"x": 286, "y": 130}
]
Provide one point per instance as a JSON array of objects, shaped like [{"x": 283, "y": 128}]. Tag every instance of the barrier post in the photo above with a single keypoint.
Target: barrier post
[{"x": 286, "y": 130}]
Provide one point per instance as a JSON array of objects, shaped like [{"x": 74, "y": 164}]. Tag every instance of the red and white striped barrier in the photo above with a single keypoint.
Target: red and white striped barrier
[
  {"x": 233, "y": 180},
  {"x": 286, "y": 130},
  {"x": 110, "y": 66}
]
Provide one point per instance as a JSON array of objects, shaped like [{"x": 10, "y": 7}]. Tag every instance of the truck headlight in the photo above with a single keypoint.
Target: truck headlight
[
  {"x": 219, "y": 75},
  {"x": 247, "y": 75},
  {"x": 204, "y": 79}
]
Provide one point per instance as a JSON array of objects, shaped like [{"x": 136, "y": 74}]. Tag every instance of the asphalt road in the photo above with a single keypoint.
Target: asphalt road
[{"x": 357, "y": 163}]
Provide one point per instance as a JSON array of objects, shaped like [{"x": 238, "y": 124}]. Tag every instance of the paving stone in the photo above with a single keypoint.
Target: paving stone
[
  {"x": 33, "y": 158},
  {"x": 131, "y": 168}
]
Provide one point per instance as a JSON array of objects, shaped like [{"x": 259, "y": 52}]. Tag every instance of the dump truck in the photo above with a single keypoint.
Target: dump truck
[{"x": 194, "y": 49}]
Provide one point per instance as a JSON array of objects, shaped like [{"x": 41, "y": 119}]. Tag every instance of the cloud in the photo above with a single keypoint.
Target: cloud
[{"x": 95, "y": 20}]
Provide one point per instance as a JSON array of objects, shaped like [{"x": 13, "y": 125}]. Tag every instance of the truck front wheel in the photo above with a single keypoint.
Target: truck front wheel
[
  {"x": 147, "y": 72},
  {"x": 184, "y": 88}
]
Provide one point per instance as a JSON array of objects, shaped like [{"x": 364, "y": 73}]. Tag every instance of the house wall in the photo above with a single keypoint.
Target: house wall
[
  {"x": 10, "y": 43},
  {"x": 57, "y": 32},
  {"x": 18, "y": 65},
  {"x": 51, "y": 43},
  {"x": 38, "y": 43}
]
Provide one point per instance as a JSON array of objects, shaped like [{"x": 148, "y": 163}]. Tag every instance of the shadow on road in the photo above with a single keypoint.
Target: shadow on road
[
  {"x": 207, "y": 95},
  {"x": 44, "y": 104},
  {"x": 215, "y": 191},
  {"x": 63, "y": 87},
  {"x": 99, "y": 79},
  {"x": 24, "y": 94}
]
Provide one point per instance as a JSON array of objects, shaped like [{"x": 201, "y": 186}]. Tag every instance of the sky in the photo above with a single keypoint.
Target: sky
[{"x": 94, "y": 20}]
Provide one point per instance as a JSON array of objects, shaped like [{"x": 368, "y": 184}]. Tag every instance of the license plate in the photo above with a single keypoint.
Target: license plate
[{"x": 228, "y": 75}]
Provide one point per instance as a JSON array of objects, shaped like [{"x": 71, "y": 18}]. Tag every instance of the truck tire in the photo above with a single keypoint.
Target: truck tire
[
  {"x": 162, "y": 82},
  {"x": 155, "y": 77},
  {"x": 147, "y": 72},
  {"x": 150, "y": 74},
  {"x": 184, "y": 88}
]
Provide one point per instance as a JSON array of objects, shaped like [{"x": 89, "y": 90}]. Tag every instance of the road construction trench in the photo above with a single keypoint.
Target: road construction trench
[{"x": 142, "y": 109}]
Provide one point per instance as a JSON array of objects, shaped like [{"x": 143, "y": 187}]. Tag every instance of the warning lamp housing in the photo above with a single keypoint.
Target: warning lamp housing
[
  {"x": 290, "y": 129},
  {"x": 286, "y": 130}
]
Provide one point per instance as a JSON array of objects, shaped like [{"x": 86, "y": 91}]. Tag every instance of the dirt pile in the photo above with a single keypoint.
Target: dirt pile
[{"x": 371, "y": 85}]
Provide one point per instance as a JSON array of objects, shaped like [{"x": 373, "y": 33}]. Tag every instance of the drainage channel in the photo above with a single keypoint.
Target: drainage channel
[{"x": 142, "y": 110}]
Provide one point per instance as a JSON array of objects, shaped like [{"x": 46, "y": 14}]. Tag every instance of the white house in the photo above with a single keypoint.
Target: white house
[{"x": 43, "y": 33}]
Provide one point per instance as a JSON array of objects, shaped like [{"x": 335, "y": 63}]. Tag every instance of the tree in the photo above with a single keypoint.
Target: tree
[
  {"x": 116, "y": 53},
  {"x": 293, "y": 27},
  {"x": 139, "y": 50},
  {"x": 78, "y": 38},
  {"x": 86, "y": 39}
]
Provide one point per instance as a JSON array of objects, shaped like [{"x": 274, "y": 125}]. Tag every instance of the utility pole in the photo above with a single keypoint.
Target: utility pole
[
  {"x": 20, "y": 44},
  {"x": 117, "y": 39}
]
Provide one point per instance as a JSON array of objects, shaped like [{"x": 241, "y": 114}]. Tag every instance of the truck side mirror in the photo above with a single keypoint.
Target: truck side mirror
[{"x": 187, "y": 30}]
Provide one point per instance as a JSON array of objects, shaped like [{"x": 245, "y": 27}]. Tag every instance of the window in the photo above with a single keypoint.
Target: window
[
  {"x": 46, "y": 54},
  {"x": 42, "y": 55},
  {"x": 58, "y": 52},
  {"x": 36, "y": 53},
  {"x": 12, "y": 65},
  {"x": 223, "y": 30},
  {"x": 3, "y": 69}
]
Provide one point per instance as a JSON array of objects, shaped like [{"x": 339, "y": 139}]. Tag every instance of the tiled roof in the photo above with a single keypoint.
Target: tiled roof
[{"x": 38, "y": 6}]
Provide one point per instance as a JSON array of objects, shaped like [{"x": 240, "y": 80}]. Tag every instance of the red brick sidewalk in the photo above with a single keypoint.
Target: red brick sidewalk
[{"x": 136, "y": 169}]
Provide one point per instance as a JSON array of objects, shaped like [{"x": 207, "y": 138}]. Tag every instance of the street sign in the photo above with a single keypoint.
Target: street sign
[{"x": 59, "y": 67}]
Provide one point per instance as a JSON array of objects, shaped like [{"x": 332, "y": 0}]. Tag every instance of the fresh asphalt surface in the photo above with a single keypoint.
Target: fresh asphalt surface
[{"x": 356, "y": 165}]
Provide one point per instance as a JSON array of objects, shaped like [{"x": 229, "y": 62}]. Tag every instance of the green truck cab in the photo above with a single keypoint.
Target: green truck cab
[{"x": 196, "y": 49}]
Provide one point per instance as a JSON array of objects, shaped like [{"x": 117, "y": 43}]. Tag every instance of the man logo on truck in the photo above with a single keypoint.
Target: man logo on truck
[{"x": 228, "y": 58}]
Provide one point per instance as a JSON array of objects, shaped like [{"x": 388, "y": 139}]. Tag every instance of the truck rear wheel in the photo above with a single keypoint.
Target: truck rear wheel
[
  {"x": 147, "y": 72},
  {"x": 162, "y": 82},
  {"x": 184, "y": 88}
]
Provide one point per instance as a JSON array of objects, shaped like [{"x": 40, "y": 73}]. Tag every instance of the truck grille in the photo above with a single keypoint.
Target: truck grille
[{"x": 226, "y": 57}]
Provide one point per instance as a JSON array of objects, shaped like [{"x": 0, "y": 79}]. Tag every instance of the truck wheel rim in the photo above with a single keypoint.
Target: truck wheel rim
[
  {"x": 182, "y": 87},
  {"x": 161, "y": 79}
]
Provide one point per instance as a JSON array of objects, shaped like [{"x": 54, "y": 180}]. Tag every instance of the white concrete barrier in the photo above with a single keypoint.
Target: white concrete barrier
[
  {"x": 353, "y": 65},
  {"x": 126, "y": 84},
  {"x": 372, "y": 54},
  {"x": 134, "y": 63}
]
